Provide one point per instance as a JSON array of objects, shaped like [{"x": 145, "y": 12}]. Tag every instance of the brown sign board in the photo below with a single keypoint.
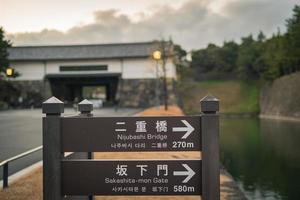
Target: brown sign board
[
  {"x": 109, "y": 134},
  {"x": 131, "y": 177}
]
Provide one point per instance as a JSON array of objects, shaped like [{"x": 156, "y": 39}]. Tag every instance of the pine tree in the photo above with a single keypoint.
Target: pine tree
[
  {"x": 261, "y": 37},
  {"x": 4, "y": 44},
  {"x": 293, "y": 40}
]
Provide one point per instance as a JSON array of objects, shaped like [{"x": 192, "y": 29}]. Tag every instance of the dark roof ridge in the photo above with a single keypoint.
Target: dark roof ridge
[
  {"x": 83, "y": 45},
  {"x": 83, "y": 51}
]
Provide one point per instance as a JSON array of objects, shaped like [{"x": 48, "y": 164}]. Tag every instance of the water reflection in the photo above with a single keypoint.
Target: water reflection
[{"x": 263, "y": 156}]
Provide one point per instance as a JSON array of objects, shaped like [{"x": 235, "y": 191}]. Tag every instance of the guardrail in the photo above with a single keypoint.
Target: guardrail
[{"x": 5, "y": 163}]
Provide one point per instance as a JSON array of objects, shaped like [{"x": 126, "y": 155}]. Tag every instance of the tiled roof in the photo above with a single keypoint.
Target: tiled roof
[{"x": 93, "y": 51}]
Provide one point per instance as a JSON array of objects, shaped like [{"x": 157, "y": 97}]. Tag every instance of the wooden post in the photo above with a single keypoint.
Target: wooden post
[
  {"x": 210, "y": 148},
  {"x": 5, "y": 175},
  {"x": 85, "y": 108},
  {"x": 52, "y": 153}
]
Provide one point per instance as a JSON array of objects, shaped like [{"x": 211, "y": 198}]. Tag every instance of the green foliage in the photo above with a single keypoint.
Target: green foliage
[
  {"x": 255, "y": 58},
  {"x": 4, "y": 44},
  {"x": 293, "y": 41},
  {"x": 273, "y": 57},
  {"x": 247, "y": 58},
  {"x": 251, "y": 63},
  {"x": 229, "y": 55},
  {"x": 179, "y": 59},
  {"x": 3, "y": 105},
  {"x": 205, "y": 59},
  {"x": 8, "y": 93},
  {"x": 215, "y": 59},
  {"x": 261, "y": 37}
]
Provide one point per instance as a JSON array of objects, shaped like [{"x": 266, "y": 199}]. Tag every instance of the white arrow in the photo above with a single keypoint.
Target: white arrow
[
  {"x": 188, "y": 128},
  {"x": 189, "y": 173}
]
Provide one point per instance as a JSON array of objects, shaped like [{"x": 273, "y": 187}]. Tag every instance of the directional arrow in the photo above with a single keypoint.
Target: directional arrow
[
  {"x": 189, "y": 173},
  {"x": 188, "y": 128}
]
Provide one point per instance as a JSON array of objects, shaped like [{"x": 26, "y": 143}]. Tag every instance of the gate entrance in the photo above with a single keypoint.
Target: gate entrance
[{"x": 74, "y": 87}]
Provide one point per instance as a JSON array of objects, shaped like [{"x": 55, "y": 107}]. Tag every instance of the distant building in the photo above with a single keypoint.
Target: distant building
[{"x": 126, "y": 70}]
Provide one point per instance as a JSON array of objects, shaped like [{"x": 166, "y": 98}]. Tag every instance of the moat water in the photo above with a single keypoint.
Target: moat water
[{"x": 263, "y": 156}]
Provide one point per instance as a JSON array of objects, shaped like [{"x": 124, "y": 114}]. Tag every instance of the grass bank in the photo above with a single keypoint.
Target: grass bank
[{"x": 235, "y": 96}]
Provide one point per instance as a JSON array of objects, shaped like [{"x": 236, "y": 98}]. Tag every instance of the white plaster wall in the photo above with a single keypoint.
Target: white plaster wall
[
  {"x": 146, "y": 68},
  {"x": 29, "y": 70},
  {"x": 130, "y": 69}
]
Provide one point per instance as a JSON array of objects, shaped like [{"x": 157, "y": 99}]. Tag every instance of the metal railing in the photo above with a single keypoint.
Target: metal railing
[{"x": 5, "y": 163}]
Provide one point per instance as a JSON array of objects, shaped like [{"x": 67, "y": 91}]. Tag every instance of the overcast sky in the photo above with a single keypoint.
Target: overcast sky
[{"x": 191, "y": 23}]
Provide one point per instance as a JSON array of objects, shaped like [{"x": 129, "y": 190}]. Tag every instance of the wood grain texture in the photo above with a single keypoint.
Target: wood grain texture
[
  {"x": 51, "y": 157},
  {"x": 210, "y": 157}
]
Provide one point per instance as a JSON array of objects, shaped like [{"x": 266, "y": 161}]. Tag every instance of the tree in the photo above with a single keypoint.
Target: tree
[
  {"x": 229, "y": 55},
  {"x": 216, "y": 61},
  {"x": 8, "y": 92},
  {"x": 292, "y": 44},
  {"x": 261, "y": 37},
  {"x": 273, "y": 56},
  {"x": 249, "y": 59},
  {"x": 179, "y": 59},
  {"x": 165, "y": 48},
  {"x": 4, "y": 44},
  {"x": 261, "y": 58},
  {"x": 205, "y": 60}
]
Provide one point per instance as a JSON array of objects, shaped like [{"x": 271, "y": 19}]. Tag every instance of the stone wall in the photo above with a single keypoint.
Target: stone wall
[
  {"x": 32, "y": 93},
  {"x": 130, "y": 93},
  {"x": 282, "y": 97},
  {"x": 141, "y": 92}
]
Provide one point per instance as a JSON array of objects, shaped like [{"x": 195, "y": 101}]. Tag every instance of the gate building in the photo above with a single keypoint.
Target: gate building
[{"x": 123, "y": 72}]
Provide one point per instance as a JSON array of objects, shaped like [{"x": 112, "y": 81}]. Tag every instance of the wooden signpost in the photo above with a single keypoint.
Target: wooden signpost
[
  {"x": 76, "y": 177},
  {"x": 131, "y": 177},
  {"x": 110, "y": 134}
]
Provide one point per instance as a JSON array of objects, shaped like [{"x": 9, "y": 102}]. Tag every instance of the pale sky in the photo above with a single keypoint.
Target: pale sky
[
  {"x": 191, "y": 23},
  {"x": 35, "y": 15}
]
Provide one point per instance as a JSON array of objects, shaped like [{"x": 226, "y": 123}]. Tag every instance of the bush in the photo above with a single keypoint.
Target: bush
[
  {"x": 8, "y": 93},
  {"x": 3, "y": 105}
]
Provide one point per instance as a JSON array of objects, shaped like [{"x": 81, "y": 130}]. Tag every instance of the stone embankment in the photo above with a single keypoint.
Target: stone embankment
[{"x": 281, "y": 98}]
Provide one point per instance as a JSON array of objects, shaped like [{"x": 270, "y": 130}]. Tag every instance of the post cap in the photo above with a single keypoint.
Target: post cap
[
  {"x": 209, "y": 103},
  {"x": 85, "y": 106},
  {"x": 53, "y": 106}
]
